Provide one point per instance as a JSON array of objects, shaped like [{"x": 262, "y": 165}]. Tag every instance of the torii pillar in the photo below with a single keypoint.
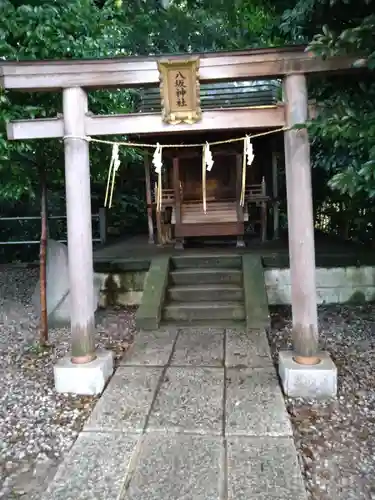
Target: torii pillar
[
  {"x": 306, "y": 371},
  {"x": 85, "y": 371}
]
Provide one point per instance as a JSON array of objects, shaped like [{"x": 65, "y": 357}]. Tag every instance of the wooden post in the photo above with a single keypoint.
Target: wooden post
[
  {"x": 300, "y": 223},
  {"x": 159, "y": 228},
  {"x": 240, "y": 209},
  {"x": 275, "y": 196},
  {"x": 263, "y": 212},
  {"x": 146, "y": 161},
  {"x": 43, "y": 257},
  {"x": 78, "y": 210},
  {"x": 177, "y": 198},
  {"x": 103, "y": 225}
]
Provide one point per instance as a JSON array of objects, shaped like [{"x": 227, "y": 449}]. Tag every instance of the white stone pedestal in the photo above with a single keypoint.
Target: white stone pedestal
[
  {"x": 302, "y": 381},
  {"x": 86, "y": 379}
]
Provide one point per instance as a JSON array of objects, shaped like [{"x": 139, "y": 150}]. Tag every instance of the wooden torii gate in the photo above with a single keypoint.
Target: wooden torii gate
[{"x": 75, "y": 77}]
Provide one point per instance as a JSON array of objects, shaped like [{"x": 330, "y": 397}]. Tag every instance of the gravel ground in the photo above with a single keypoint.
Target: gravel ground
[
  {"x": 336, "y": 439},
  {"x": 37, "y": 426}
]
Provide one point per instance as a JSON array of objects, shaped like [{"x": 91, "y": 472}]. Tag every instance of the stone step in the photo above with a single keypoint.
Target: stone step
[
  {"x": 206, "y": 292},
  {"x": 194, "y": 311},
  {"x": 202, "y": 261},
  {"x": 205, "y": 324},
  {"x": 205, "y": 276}
]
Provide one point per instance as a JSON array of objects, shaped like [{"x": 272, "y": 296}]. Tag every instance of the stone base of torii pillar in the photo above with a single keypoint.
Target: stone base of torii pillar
[
  {"x": 86, "y": 379},
  {"x": 316, "y": 381}
]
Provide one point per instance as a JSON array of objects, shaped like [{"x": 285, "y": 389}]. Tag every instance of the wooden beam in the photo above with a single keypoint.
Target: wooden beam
[
  {"x": 124, "y": 71},
  {"x": 134, "y": 63},
  {"x": 218, "y": 119},
  {"x": 78, "y": 211},
  {"x": 39, "y": 128},
  {"x": 209, "y": 229},
  {"x": 300, "y": 221},
  {"x": 151, "y": 123},
  {"x": 132, "y": 72}
]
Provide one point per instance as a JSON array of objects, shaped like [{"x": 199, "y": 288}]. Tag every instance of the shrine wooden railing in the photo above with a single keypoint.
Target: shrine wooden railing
[
  {"x": 256, "y": 193},
  {"x": 167, "y": 198}
]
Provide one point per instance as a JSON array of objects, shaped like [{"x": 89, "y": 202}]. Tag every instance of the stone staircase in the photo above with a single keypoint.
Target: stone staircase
[{"x": 205, "y": 290}]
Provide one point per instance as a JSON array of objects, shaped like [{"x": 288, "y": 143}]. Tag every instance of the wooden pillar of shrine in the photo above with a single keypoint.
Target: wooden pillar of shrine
[
  {"x": 275, "y": 196},
  {"x": 177, "y": 201},
  {"x": 146, "y": 160},
  {"x": 300, "y": 223},
  {"x": 263, "y": 211},
  {"x": 240, "y": 208},
  {"x": 78, "y": 210}
]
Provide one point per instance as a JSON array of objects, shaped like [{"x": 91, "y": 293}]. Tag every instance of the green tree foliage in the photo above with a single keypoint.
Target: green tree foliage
[
  {"x": 56, "y": 29},
  {"x": 51, "y": 30},
  {"x": 344, "y": 133}
]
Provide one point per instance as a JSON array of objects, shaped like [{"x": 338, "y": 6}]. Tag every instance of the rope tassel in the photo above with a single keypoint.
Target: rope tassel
[
  {"x": 157, "y": 161},
  {"x": 113, "y": 167},
  {"x": 209, "y": 161},
  {"x": 207, "y": 164},
  {"x": 247, "y": 160}
]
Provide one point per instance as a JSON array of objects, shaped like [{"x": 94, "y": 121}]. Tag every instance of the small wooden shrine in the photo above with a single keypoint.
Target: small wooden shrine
[{"x": 195, "y": 203}]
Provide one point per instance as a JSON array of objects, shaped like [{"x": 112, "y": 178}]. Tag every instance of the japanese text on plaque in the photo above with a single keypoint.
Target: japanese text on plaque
[{"x": 181, "y": 89}]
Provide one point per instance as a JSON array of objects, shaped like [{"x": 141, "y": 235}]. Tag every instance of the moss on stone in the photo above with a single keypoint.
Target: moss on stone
[
  {"x": 132, "y": 280},
  {"x": 256, "y": 301},
  {"x": 149, "y": 312},
  {"x": 358, "y": 297}
]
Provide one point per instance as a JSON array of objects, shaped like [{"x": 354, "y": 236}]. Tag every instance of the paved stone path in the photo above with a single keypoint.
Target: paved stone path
[{"x": 189, "y": 415}]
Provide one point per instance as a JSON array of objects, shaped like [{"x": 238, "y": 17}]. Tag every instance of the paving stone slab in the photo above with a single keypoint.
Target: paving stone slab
[
  {"x": 247, "y": 349},
  {"x": 126, "y": 401},
  {"x": 176, "y": 467},
  {"x": 96, "y": 467},
  {"x": 190, "y": 400},
  {"x": 199, "y": 348},
  {"x": 264, "y": 469},
  {"x": 254, "y": 404},
  {"x": 151, "y": 348}
]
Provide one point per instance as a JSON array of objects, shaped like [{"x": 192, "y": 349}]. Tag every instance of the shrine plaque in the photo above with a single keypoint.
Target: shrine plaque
[{"x": 180, "y": 90}]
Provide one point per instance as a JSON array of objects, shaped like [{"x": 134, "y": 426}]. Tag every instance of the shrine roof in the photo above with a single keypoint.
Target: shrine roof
[{"x": 242, "y": 94}]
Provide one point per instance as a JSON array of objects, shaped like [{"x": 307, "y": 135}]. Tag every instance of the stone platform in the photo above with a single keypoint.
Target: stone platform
[{"x": 190, "y": 413}]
